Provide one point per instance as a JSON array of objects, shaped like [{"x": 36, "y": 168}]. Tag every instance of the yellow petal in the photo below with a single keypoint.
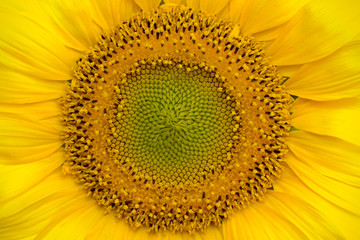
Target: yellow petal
[
  {"x": 79, "y": 24},
  {"x": 71, "y": 21},
  {"x": 318, "y": 30},
  {"x": 333, "y": 118},
  {"x": 109, "y": 228},
  {"x": 334, "y": 77},
  {"x": 28, "y": 213},
  {"x": 255, "y": 16},
  {"x": 109, "y": 13},
  {"x": 224, "y": 13},
  {"x": 19, "y": 151},
  {"x": 211, "y": 233},
  {"x": 290, "y": 211},
  {"x": 260, "y": 222},
  {"x": 194, "y": 4},
  {"x": 28, "y": 222},
  {"x": 213, "y": 7},
  {"x": 236, "y": 11},
  {"x": 73, "y": 222},
  {"x": 338, "y": 192},
  {"x": 23, "y": 140},
  {"x": 18, "y": 88},
  {"x": 280, "y": 216},
  {"x": 303, "y": 215},
  {"x": 148, "y": 5},
  {"x": 176, "y": 2},
  {"x": 269, "y": 35},
  {"x": 345, "y": 221},
  {"x": 76, "y": 24},
  {"x": 289, "y": 71},
  {"x": 34, "y": 111},
  {"x": 16, "y": 179},
  {"x": 329, "y": 156},
  {"x": 32, "y": 48}
]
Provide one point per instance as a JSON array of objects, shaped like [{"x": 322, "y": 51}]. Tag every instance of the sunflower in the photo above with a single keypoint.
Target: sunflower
[{"x": 180, "y": 119}]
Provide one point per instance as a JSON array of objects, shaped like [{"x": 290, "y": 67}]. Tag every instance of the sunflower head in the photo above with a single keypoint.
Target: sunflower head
[{"x": 173, "y": 122}]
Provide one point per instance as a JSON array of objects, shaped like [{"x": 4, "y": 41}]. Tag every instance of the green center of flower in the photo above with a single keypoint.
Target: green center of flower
[
  {"x": 174, "y": 124},
  {"x": 173, "y": 121}
]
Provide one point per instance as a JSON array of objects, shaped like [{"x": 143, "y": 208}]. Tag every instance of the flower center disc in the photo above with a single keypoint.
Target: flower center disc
[{"x": 173, "y": 122}]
